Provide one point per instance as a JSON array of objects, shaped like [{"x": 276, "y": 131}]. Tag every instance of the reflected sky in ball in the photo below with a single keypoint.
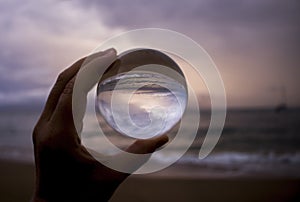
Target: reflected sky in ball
[{"x": 152, "y": 110}]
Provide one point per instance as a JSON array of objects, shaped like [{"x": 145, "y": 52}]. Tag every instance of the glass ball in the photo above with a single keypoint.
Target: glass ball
[{"x": 137, "y": 103}]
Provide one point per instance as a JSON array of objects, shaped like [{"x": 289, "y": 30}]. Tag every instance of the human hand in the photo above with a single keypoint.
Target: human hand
[{"x": 65, "y": 170}]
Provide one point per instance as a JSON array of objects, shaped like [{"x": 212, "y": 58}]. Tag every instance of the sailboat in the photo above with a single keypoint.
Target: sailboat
[{"x": 282, "y": 106}]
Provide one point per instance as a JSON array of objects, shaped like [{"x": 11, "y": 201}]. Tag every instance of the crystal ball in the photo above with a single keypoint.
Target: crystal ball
[{"x": 137, "y": 103}]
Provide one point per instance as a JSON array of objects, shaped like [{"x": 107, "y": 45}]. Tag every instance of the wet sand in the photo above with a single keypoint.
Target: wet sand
[
  {"x": 17, "y": 180},
  {"x": 172, "y": 189}
]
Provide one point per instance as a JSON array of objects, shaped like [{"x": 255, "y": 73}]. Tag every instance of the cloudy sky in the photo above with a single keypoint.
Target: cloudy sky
[{"x": 254, "y": 43}]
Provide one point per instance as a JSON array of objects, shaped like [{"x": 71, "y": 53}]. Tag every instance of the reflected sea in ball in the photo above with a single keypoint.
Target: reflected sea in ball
[{"x": 141, "y": 104}]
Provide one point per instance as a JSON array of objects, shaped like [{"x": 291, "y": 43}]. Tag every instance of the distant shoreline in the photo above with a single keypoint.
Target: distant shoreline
[{"x": 38, "y": 107}]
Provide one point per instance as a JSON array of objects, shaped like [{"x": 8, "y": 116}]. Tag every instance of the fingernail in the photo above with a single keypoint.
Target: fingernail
[{"x": 110, "y": 51}]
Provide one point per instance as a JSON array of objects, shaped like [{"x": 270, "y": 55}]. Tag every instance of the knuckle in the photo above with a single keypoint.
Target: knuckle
[
  {"x": 69, "y": 87},
  {"x": 37, "y": 134},
  {"x": 61, "y": 77},
  {"x": 44, "y": 139}
]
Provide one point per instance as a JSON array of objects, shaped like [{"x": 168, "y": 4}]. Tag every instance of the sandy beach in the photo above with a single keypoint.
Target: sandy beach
[{"x": 17, "y": 180}]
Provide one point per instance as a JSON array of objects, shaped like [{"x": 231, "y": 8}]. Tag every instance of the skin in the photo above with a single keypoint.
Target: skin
[{"x": 65, "y": 171}]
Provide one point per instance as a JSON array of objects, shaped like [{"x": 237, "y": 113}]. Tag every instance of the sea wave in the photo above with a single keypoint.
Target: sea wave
[
  {"x": 17, "y": 154},
  {"x": 239, "y": 164}
]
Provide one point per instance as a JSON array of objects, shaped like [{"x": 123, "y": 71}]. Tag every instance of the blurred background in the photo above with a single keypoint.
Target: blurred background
[{"x": 255, "y": 45}]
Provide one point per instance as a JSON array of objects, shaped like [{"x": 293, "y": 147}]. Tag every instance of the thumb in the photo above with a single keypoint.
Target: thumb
[
  {"x": 145, "y": 146},
  {"x": 139, "y": 153}
]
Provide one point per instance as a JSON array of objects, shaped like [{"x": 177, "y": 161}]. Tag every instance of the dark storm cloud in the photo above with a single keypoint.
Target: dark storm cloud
[
  {"x": 275, "y": 21},
  {"x": 234, "y": 12},
  {"x": 269, "y": 27},
  {"x": 255, "y": 43}
]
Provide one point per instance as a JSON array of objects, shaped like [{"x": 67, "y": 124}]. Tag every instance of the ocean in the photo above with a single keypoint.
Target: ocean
[{"x": 253, "y": 142}]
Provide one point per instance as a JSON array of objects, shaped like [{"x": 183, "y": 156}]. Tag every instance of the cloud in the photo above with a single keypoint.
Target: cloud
[
  {"x": 38, "y": 40},
  {"x": 239, "y": 25},
  {"x": 254, "y": 43}
]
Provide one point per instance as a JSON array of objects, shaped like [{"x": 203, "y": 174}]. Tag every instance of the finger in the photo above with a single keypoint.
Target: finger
[
  {"x": 61, "y": 82},
  {"x": 58, "y": 88},
  {"x": 86, "y": 79},
  {"x": 96, "y": 55},
  {"x": 63, "y": 112},
  {"x": 147, "y": 145}
]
